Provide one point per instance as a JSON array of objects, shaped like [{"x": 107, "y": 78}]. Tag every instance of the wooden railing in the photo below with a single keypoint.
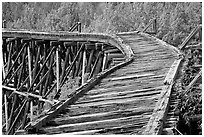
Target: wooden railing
[
  {"x": 196, "y": 30},
  {"x": 76, "y": 26},
  {"x": 154, "y": 28}
]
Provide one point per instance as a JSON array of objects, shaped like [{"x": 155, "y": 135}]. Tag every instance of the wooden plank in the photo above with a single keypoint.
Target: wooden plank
[
  {"x": 117, "y": 95},
  {"x": 120, "y": 100},
  {"x": 105, "y": 92},
  {"x": 114, "y": 55},
  {"x": 171, "y": 75},
  {"x": 112, "y": 51},
  {"x": 66, "y": 119},
  {"x": 155, "y": 124},
  {"x": 132, "y": 76},
  {"x": 100, "y": 124}
]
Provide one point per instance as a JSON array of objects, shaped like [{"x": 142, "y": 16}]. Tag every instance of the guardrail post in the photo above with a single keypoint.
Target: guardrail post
[
  {"x": 155, "y": 25},
  {"x": 4, "y": 24},
  {"x": 200, "y": 34},
  {"x": 79, "y": 26}
]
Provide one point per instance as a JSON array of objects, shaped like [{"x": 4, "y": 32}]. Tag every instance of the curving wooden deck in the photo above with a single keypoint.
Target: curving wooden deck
[{"x": 125, "y": 101}]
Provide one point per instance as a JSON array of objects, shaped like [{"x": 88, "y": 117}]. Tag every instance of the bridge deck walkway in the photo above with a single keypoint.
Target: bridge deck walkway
[{"x": 123, "y": 102}]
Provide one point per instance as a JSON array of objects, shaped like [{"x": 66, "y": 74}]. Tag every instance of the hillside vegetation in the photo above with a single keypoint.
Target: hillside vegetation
[{"x": 174, "y": 20}]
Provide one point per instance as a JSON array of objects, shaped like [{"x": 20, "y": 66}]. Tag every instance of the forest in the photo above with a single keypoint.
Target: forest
[{"x": 174, "y": 20}]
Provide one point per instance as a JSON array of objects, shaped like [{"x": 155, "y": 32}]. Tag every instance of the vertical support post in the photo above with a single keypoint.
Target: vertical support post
[
  {"x": 4, "y": 24},
  {"x": 200, "y": 34},
  {"x": 154, "y": 26},
  {"x": 4, "y": 74},
  {"x": 88, "y": 69},
  {"x": 83, "y": 67},
  {"x": 57, "y": 67},
  {"x": 104, "y": 62},
  {"x": 79, "y": 26},
  {"x": 9, "y": 57},
  {"x": 6, "y": 111},
  {"x": 66, "y": 60},
  {"x": 30, "y": 81}
]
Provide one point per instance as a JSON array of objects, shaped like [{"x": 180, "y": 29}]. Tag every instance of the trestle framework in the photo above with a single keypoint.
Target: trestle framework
[{"x": 36, "y": 69}]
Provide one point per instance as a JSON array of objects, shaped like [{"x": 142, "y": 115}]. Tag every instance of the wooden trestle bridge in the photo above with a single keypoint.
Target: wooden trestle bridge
[{"x": 123, "y": 82}]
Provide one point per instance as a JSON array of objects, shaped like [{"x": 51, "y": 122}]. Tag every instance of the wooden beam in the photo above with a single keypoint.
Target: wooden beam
[
  {"x": 36, "y": 62},
  {"x": 156, "y": 122},
  {"x": 90, "y": 46},
  {"x": 152, "y": 21},
  {"x": 44, "y": 63},
  {"x": 78, "y": 63},
  {"x": 90, "y": 61},
  {"x": 57, "y": 69},
  {"x": 99, "y": 64},
  {"x": 104, "y": 66},
  {"x": 30, "y": 95},
  {"x": 72, "y": 64},
  {"x": 14, "y": 73},
  {"x": 30, "y": 81},
  {"x": 170, "y": 77},
  {"x": 6, "y": 111},
  {"x": 200, "y": 35},
  {"x": 49, "y": 73},
  {"x": 190, "y": 36},
  {"x": 66, "y": 62},
  {"x": 15, "y": 61},
  {"x": 95, "y": 65},
  {"x": 196, "y": 78},
  {"x": 83, "y": 67},
  {"x": 16, "y": 118},
  {"x": 112, "y": 51},
  {"x": 9, "y": 56}
]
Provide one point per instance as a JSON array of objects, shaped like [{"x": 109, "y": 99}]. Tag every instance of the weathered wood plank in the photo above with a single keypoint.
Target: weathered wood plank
[
  {"x": 140, "y": 112},
  {"x": 98, "y": 124},
  {"x": 132, "y": 76},
  {"x": 118, "y": 96},
  {"x": 121, "y": 100}
]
